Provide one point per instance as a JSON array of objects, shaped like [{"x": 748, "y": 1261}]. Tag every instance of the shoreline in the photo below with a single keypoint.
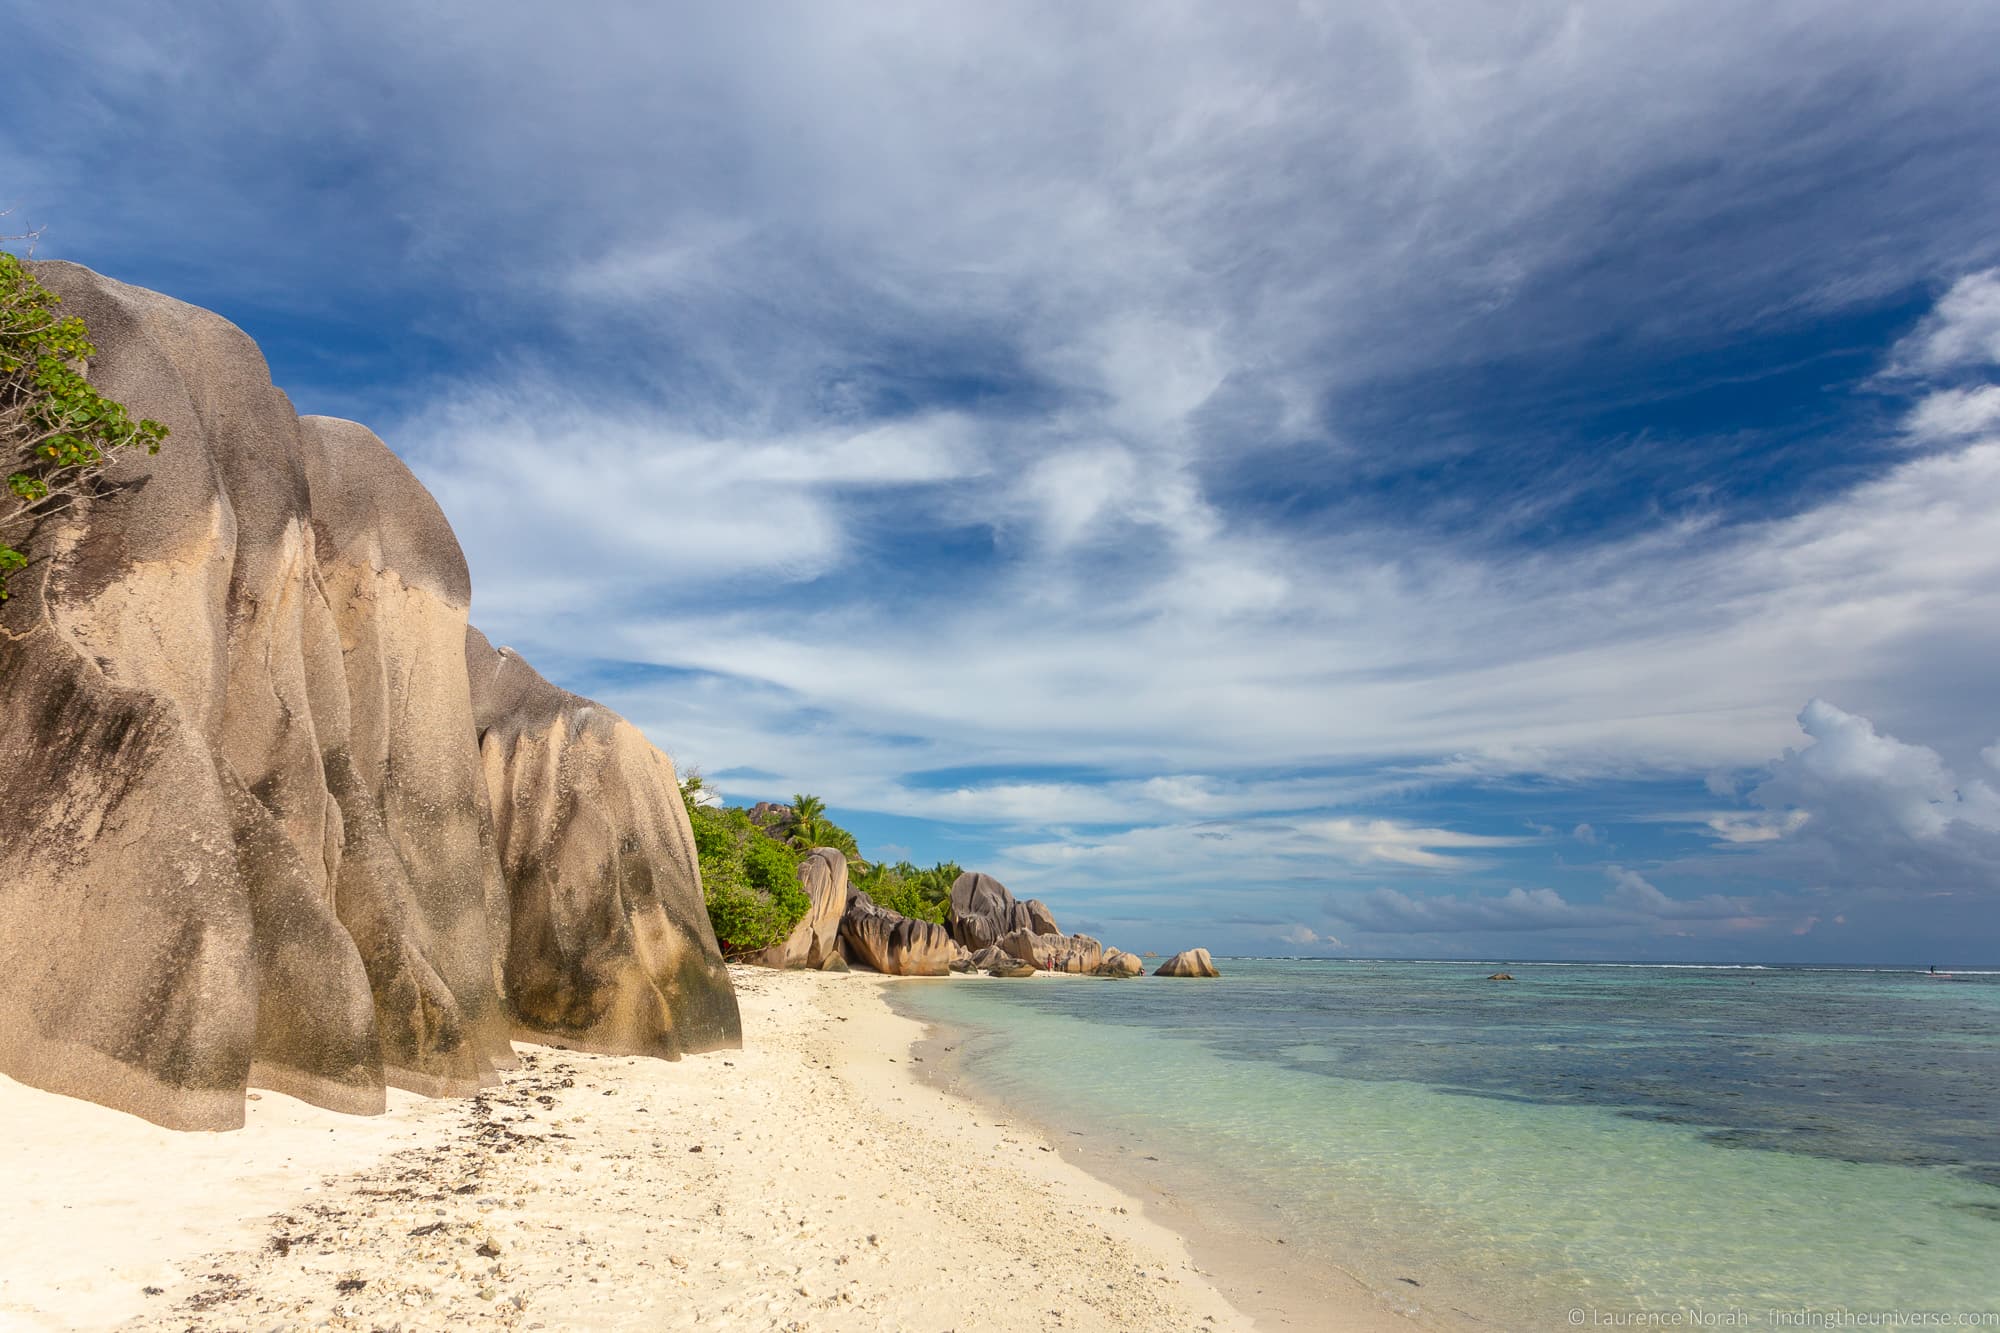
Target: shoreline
[
  {"x": 813, "y": 1180},
  {"x": 1274, "y": 1282}
]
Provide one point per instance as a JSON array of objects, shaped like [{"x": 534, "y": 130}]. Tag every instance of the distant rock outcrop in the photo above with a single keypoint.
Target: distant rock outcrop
[
  {"x": 1188, "y": 963},
  {"x": 1118, "y": 963},
  {"x": 252, "y": 828},
  {"x": 981, "y": 911},
  {"x": 1054, "y": 953},
  {"x": 772, "y": 817},
  {"x": 894, "y": 944},
  {"x": 823, "y": 876}
]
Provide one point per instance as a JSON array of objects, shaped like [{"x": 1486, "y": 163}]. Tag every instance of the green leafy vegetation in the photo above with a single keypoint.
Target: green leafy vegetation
[
  {"x": 750, "y": 871},
  {"x": 57, "y": 433},
  {"x": 749, "y": 879},
  {"x": 810, "y": 828},
  {"x": 913, "y": 891}
]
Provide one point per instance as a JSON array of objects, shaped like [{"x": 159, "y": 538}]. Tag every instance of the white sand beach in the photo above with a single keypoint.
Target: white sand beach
[{"x": 809, "y": 1181}]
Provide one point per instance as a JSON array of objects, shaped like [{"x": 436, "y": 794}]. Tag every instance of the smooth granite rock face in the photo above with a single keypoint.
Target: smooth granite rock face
[
  {"x": 1054, "y": 953},
  {"x": 1188, "y": 963},
  {"x": 1118, "y": 963},
  {"x": 981, "y": 910},
  {"x": 1040, "y": 919},
  {"x": 248, "y": 831},
  {"x": 823, "y": 876},
  {"x": 894, "y": 944},
  {"x": 609, "y": 946}
]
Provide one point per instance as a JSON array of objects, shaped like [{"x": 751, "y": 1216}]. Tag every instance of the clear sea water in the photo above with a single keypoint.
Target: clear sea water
[{"x": 1588, "y": 1145}]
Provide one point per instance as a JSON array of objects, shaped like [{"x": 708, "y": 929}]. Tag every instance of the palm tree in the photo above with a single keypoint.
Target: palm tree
[{"x": 808, "y": 814}]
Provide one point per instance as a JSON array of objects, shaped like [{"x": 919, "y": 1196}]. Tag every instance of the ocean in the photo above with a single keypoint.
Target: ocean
[{"x": 1589, "y": 1145}]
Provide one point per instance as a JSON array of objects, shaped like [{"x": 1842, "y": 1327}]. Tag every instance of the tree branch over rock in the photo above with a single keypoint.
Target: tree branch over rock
[{"x": 57, "y": 433}]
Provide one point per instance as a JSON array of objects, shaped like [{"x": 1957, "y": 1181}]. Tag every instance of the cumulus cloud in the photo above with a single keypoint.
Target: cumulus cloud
[
  {"x": 1305, "y": 937},
  {"x": 1871, "y": 785}
]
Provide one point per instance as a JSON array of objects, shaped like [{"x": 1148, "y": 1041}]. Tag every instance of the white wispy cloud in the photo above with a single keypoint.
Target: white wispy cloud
[{"x": 917, "y": 388}]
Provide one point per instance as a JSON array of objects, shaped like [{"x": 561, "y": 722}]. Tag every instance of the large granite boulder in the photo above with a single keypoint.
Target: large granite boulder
[
  {"x": 1040, "y": 919},
  {"x": 991, "y": 956},
  {"x": 981, "y": 910},
  {"x": 1118, "y": 963},
  {"x": 610, "y": 948},
  {"x": 892, "y": 943},
  {"x": 1054, "y": 953},
  {"x": 823, "y": 876},
  {"x": 248, "y": 834},
  {"x": 1188, "y": 963}
]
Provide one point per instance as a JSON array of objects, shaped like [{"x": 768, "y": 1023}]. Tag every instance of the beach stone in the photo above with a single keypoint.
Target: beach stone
[
  {"x": 981, "y": 910},
  {"x": 991, "y": 956},
  {"x": 1501, "y": 976},
  {"x": 1054, "y": 953},
  {"x": 253, "y": 832},
  {"x": 1011, "y": 968},
  {"x": 823, "y": 877},
  {"x": 1040, "y": 919},
  {"x": 892, "y": 943},
  {"x": 1188, "y": 963},
  {"x": 835, "y": 963}
]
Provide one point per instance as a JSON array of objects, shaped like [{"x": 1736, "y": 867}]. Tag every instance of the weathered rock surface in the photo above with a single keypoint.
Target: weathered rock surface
[
  {"x": 1118, "y": 963},
  {"x": 772, "y": 817},
  {"x": 1040, "y": 919},
  {"x": 610, "y": 946},
  {"x": 1011, "y": 967},
  {"x": 981, "y": 910},
  {"x": 1054, "y": 953},
  {"x": 892, "y": 943},
  {"x": 823, "y": 876},
  {"x": 1188, "y": 963},
  {"x": 251, "y": 832}
]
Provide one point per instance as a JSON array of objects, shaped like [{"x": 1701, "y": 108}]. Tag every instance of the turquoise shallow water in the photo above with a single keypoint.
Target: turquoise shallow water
[{"x": 1727, "y": 1143}]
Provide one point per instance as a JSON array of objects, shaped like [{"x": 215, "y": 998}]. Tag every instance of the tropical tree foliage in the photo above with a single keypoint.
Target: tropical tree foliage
[
  {"x": 749, "y": 873},
  {"x": 57, "y": 433},
  {"x": 915, "y": 892},
  {"x": 749, "y": 881}
]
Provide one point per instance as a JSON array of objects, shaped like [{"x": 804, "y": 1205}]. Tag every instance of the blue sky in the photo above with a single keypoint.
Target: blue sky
[{"x": 1409, "y": 478}]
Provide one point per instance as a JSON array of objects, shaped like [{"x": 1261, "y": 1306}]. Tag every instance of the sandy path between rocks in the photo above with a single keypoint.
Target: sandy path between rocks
[{"x": 807, "y": 1182}]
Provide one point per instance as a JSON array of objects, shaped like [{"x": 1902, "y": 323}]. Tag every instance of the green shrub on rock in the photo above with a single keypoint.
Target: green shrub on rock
[
  {"x": 56, "y": 431},
  {"x": 749, "y": 881}
]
